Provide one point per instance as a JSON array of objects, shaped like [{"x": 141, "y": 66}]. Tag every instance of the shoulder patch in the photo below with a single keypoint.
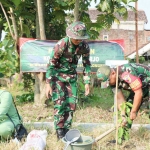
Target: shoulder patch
[
  {"x": 126, "y": 77},
  {"x": 134, "y": 81}
]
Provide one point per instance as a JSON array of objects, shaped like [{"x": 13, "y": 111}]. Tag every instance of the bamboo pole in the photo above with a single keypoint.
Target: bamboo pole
[{"x": 104, "y": 134}]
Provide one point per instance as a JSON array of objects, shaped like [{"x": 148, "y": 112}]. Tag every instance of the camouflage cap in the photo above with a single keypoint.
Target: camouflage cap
[
  {"x": 103, "y": 73},
  {"x": 77, "y": 30}
]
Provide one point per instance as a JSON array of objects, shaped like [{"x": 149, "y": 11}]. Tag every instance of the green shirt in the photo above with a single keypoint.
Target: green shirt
[{"x": 7, "y": 107}]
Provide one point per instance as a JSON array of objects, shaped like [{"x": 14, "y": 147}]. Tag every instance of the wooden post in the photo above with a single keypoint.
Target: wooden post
[
  {"x": 116, "y": 108},
  {"x": 136, "y": 31}
]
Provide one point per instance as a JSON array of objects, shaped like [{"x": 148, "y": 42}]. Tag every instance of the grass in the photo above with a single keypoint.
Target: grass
[
  {"x": 140, "y": 140},
  {"x": 96, "y": 108}
]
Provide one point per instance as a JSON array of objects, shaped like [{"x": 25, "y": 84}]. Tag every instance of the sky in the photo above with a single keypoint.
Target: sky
[{"x": 142, "y": 5}]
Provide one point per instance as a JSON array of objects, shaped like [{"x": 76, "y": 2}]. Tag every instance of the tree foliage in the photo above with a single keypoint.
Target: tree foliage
[
  {"x": 57, "y": 15},
  {"x": 8, "y": 57},
  {"x": 111, "y": 9}
]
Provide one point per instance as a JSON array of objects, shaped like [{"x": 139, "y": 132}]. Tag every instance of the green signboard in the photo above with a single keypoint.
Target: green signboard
[
  {"x": 35, "y": 54},
  {"x": 100, "y": 51}
]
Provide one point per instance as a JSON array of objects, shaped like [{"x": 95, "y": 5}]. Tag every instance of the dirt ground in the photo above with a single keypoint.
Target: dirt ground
[
  {"x": 139, "y": 139},
  {"x": 32, "y": 113}
]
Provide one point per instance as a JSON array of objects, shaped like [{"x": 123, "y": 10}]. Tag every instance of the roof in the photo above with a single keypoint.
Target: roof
[
  {"x": 143, "y": 49},
  {"x": 93, "y": 12}
]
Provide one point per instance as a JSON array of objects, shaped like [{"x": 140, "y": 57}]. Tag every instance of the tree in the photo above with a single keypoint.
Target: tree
[
  {"x": 8, "y": 55},
  {"x": 20, "y": 17},
  {"x": 76, "y": 11},
  {"x": 39, "y": 88}
]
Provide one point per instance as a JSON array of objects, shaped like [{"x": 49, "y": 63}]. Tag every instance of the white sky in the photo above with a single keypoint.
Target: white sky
[
  {"x": 3, "y": 34},
  {"x": 142, "y": 5}
]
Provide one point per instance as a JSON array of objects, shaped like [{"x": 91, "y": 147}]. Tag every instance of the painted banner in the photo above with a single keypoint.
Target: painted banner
[{"x": 35, "y": 54}]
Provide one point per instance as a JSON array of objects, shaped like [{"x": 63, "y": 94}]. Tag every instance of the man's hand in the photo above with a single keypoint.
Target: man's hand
[
  {"x": 48, "y": 90},
  {"x": 87, "y": 89},
  {"x": 133, "y": 115}
]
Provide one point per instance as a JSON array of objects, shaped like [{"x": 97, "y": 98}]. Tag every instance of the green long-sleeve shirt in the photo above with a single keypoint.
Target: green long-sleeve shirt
[{"x": 7, "y": 107}]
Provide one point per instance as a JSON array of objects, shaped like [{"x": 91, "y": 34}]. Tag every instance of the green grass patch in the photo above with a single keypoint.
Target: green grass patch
[{"x": 101, "y": 98}]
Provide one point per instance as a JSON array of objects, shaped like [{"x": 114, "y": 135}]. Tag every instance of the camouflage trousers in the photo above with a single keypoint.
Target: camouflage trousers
[{"x": 64, "y": 96}]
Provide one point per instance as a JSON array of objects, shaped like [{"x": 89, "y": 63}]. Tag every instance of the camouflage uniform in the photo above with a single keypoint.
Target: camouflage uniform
[
  {"x": 128, "y": 82},
  {"x": 131, "y": 77},
  {"x": 62, "y": 76}
]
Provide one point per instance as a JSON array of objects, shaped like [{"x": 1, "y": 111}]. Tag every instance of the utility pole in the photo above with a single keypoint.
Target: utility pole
[{"x": 136, "y": 31}]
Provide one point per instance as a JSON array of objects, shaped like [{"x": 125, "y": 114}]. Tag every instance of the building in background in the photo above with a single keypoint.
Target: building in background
[{"x": 125, "y": 30}]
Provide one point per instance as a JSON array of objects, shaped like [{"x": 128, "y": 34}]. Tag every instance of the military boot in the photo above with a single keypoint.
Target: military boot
[
  {"x": 65, "y": 131},
  {"x": 60, "y": 133}
]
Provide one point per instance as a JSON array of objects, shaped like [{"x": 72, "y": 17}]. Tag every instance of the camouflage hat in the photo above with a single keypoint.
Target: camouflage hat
[
  {"x": 103, "y": 73},
  {"x": 77, "y": 30}
]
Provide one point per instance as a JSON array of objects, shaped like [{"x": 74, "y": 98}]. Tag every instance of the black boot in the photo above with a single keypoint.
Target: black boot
[
  {"x": 60, "y": 133},
  {"x": 66, "y": 130}
]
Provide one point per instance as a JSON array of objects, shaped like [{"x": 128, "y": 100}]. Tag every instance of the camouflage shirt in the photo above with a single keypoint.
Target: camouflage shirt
[
  {"x": 64, "y": 60},
  {"x": 133, "y": 76}
]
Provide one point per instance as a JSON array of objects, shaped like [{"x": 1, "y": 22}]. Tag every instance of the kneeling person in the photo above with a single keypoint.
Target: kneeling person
[{"x": 7, "y": 108}]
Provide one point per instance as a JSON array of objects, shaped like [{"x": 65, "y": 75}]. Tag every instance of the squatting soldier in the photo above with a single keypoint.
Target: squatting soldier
[
  {"x": 61, "y": 75},
  {"x": 7, "y": 108},
  {"x": 132, "y": 77}
]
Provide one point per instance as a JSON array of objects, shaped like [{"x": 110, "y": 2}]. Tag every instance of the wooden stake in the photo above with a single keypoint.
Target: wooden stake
[{"x": 104, "y": 134}]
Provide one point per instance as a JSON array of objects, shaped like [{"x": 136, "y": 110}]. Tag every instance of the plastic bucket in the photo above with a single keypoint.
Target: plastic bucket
[
  {"x": 72, "y": 133},
  {"x": 86, "y": 143}
]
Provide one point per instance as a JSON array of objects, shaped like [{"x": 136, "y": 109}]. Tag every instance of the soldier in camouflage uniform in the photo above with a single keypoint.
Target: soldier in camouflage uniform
[
  {"x": 61, "y": 75},
  {"x": 132, "y": 77}
]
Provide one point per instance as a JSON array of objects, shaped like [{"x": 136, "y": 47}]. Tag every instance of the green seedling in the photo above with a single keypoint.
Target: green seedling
[{"x": 123, "y": 131}]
